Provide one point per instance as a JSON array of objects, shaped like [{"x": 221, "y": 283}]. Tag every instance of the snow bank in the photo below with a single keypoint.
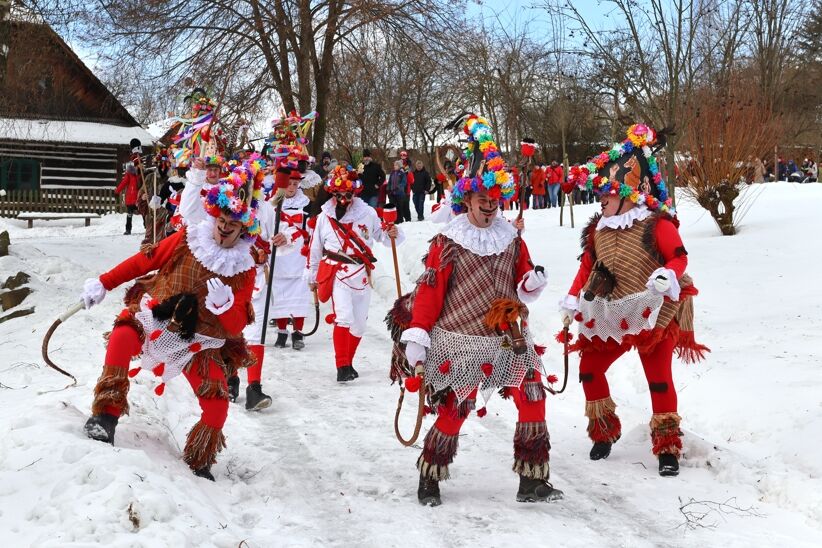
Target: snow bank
[
  {"x": 322, "y": 467},
  {"x": 20, "y": 129}
]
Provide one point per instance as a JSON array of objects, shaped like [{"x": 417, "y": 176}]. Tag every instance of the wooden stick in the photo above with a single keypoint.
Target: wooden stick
[
  {"x": 396, "y": 267},
  {"x": 154, "y": 212}
]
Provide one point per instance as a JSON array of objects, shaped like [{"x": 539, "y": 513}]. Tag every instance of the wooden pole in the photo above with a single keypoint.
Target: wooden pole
[
  {"x": 396, "y": 267},
  {"x": 154, "y": 212}
]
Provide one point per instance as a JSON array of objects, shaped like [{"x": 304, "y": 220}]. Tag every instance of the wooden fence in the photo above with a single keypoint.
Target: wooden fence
[{"x": 60, "y": 200}]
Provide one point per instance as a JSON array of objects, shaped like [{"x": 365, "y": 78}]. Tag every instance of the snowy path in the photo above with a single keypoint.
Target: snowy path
[{"x": 322, "y": 467}]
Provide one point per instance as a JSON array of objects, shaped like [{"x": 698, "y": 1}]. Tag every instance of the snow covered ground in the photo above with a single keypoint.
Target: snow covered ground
[{"x": 321, "y": 467}]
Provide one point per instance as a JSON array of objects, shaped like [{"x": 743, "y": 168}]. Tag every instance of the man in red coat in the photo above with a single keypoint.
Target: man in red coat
[
  {"x": 631, "y": 291},
  {"x": 131, "y": 184},
  {"x": 185, "y": 314}
]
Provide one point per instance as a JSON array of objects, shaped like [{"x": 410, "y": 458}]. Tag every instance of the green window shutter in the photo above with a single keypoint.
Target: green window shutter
[{"x": 19, "y": 174}]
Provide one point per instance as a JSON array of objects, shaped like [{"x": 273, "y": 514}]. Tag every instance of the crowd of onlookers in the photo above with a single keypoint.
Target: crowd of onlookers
[{"x": 786, "y": 170}]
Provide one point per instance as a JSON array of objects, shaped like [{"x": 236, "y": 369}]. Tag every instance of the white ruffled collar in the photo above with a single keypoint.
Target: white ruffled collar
[
  {"x": 219, "y": 260},
  {"x": 298, "y": 201},
  {"x": 354, "y": 212},
  {"x": 624, "y": 220},
  {"x": 481, "y": 241}
]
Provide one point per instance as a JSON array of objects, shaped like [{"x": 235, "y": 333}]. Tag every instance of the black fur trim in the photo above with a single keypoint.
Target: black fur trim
[
  {"x": 181, "y": 309},
  {"x": 586, "y": 377},
  {"x": 659, "y": 387},
  {"x": 680, "y": 251},
  {"x": 586, "y": 239},
  {"x": 649, "y": 236}
]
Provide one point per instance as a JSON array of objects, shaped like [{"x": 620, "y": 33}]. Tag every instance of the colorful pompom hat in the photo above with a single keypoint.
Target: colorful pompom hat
[
  {"x": 486, "y": 169},
  {"x": 239, "y": 194},
  {"x": 343, "y": 179},
  {"x": 628, "y": 170}
]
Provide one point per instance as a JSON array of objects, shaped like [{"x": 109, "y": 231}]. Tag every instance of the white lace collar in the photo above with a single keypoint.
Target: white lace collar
[
  {"x": 298, "y": 201},
  {"x": 355, "y": 211},
  {"x": 625, "y": 220},
  {"x": 219, "y": 260},
  {"x": 481, "y": 241}
]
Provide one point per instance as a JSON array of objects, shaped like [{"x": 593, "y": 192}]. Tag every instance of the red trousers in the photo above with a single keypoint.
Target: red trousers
[
  {"x": 124, "y": 343},
  {"x": 657, "y": 366},
  {"x": 345, "y": 346},
  {"x": 282, "y": 324}
]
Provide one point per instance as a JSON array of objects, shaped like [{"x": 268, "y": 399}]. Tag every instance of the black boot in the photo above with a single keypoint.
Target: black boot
[
  {"x": 204, "y": 472},
  {"x": 354, "y": 372},
  {"x": 428, "y": 493},
  {"x": 101, "y": 427},
  {"x": 668, "y": 465},
  {"x": 601, "y": 450},
  {"x": 255, "y": 400},
  {"x": 233, "y": 388},
  {"x": 345, "y": 373},
  {"x": 536, "y": 490},
  {"x": 282, "y": 338},
  {"x": 297, "y": 341}
]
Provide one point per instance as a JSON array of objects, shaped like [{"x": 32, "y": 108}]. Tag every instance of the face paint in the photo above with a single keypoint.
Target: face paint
[
  {"x": 482, "y": 209},
  {"x": 342, "y": 203},
  {"x": 212, "y": 174},
  {"x": 227, "y": 231}
]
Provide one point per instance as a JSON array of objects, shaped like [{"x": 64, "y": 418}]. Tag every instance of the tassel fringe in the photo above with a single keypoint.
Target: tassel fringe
[
  {"x": 665, "y": 434},
  {"x": 111, "y": 390},
  {"x": 438, "y": 453},
  {"x": 603, "y": 423},
  {"x": 212, "y": 389},
  {"x": 202, "y": 445},
  {"x": 532, "y": 447}
]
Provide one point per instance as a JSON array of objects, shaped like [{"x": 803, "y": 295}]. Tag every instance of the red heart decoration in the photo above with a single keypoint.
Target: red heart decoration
[
  {"x": 487, "y": 369},
  {"x": 155, "y": 334},
  {"x": 445, "y": 367}
]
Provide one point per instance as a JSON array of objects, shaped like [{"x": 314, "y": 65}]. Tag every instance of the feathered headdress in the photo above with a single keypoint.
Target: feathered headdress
[
  {"x": 487, "y": 168},
  {"x": 628, "y": 170}
]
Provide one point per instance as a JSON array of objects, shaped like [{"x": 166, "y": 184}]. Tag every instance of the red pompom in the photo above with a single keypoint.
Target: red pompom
[
  {"x": 133, "y": 372},
  {"x": 412, "y": 384},
  {"x": 552, "y": 379},
  {"x": 504, "y": 326},
  {"x": 195, "y": 347},
  {"x": 578, "y": 316},
  {"x": 160, "y": 369},
  {"x": 481, "y": 412},
  {"x": 564, "y": 336},
  {"x": 646, "y": 313},
  {"x": 160, "y": 389},
  {"x": 330, "y": 318},
  {"x": 445, "y": 367},
  {"x": 155, "y": 334},
  {"x": 540, "y": 350},
  {"x": 590, "y": 323},
  {"x": 152, "y": 303},
  {"x": 487, "y": 369},
  {"x": 623, "y": 324}
]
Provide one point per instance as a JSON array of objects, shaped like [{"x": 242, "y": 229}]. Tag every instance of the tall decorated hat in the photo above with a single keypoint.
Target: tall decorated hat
[
  {"x": 288, "y": 143},
  {"x": 485, "y": 167},
  {"x": 342, "y": 180},
  {"x": 628, "y": 170},
  {"x": 239, "y": 194}
]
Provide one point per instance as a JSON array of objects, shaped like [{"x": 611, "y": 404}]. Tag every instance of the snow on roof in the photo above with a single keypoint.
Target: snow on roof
[
  {"x": 159, "y": 128},
  {"x": 17, "y": 129}
]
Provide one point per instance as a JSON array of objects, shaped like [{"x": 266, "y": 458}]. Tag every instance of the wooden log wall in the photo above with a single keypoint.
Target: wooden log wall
[
  {"x": 57, "y": 200},
  {"x": 69, "y": 165}
]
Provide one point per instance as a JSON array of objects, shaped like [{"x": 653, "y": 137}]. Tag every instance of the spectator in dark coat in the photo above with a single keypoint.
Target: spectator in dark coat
[
  {"x": 325, "y": 166},
  {"x": 372, "y": 178},
  {"x": 397, "y": 192},
  {"x": 421, "y": 186}
]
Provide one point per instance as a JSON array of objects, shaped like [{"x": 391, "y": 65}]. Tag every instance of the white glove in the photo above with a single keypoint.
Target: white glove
[
  {"x": 415, "y": 353},
  {"x": 534, "y": 280},
  {"x": 661, "y": 284},
  {"x": 155, "y": 202},
  {"x": 220, "y": 297},
  {"x": 567, "y": 315},
  {"x": 93, "y": 292}
]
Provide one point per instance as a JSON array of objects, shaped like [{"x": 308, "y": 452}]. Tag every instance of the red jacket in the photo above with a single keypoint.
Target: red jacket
[
  {"x": 554, "y": 175},
  {"x": 233, "y": 320},
  {"x": 538, "y": 181},
  {"x": 130, "y": 183}
]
